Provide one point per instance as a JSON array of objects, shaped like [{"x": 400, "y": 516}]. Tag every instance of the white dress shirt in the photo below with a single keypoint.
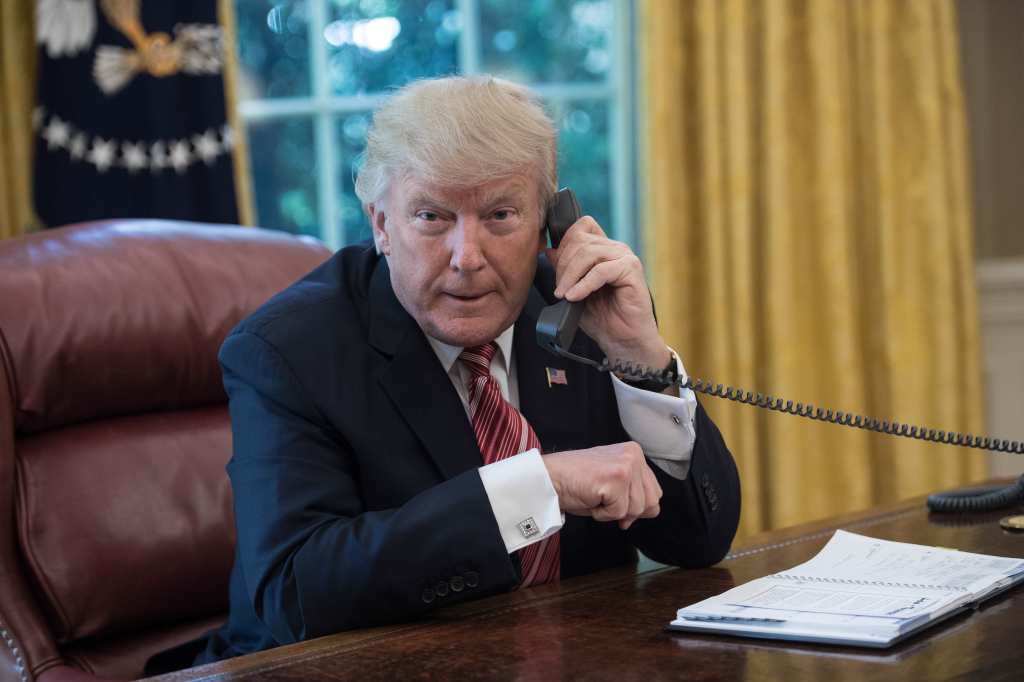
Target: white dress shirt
[{"x": 519, "y": 487}]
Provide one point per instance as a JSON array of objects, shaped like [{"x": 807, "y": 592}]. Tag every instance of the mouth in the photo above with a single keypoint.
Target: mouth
[{"x": 467, "y": 297}]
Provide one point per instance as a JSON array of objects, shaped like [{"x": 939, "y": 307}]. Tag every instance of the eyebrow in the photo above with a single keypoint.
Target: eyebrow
[
  {"x": 514, "y": 195},
  {"x": 424, "y": 198},
  {"x": 505, "y": 198}
]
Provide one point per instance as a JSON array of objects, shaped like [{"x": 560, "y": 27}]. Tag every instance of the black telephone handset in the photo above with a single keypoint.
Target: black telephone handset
[
  {"x": 556, "y": 329},
  {"x": 557, "y": 324}
]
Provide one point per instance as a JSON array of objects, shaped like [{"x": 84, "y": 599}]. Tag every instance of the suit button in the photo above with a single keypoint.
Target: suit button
[
  {"x": 457, "y": 583},
  {"x": 441, "y": 589},
  {"x": 712, "y": 496},
  {"x": 472, "y": 578},
  {"x": 428, "y": 595}
]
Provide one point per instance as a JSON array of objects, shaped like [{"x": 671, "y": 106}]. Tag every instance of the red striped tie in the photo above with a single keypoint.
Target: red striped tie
[{"x": 501, "y": 431}]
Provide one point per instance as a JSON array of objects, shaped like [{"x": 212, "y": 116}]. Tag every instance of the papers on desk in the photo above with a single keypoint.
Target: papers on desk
[{"x": 857, "y": 590}]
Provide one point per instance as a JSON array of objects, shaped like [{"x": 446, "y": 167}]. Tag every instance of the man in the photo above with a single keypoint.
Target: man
[{"x": 390, "y": 409}]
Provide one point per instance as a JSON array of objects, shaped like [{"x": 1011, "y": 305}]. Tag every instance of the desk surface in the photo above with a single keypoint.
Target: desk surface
[{"x": 610, "y": 625}]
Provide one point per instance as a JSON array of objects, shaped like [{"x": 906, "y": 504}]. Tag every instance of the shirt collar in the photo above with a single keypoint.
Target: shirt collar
[{"x": 449, "y": 354}]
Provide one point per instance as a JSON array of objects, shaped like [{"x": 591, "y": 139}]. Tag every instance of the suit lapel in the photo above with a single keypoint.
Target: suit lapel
[
  {"x": 417, "y": 384},
  {"x": 551, "y": 409}
]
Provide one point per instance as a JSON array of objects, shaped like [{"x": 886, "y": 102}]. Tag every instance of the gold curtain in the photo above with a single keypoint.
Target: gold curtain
[
  {"x": 17, "y": 94},
  {"x": 809, "y": 234},
  {"x": 240, "y": 151}
]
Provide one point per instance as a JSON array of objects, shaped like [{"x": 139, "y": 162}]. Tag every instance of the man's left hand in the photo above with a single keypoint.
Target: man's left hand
[{"x": 618, "y": 313}]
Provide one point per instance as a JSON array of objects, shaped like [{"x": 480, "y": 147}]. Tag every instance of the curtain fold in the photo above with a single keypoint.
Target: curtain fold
[
  {"x": 809, "y": 235},
  {"x": 17, "y": 86},
  {"x": 240, "y": 151}
]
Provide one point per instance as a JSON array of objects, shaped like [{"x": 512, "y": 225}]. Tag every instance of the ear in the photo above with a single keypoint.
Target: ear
[{"x": 379, "y": 223}]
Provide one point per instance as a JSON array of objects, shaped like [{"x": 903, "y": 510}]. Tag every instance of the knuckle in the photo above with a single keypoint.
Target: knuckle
[{"x": 620, "y": 471}]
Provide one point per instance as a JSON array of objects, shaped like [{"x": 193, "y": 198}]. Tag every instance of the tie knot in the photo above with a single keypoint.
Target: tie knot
[{"x": 478, "y": 358}]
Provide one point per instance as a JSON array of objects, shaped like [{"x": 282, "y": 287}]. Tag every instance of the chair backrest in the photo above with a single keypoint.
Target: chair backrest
[{"x": 116, "y": 528}]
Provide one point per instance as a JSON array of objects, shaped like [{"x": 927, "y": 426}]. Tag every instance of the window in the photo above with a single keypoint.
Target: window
[{"x": 313, "y": 70}]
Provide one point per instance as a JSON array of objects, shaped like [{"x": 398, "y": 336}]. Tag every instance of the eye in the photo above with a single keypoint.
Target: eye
[
  {"x": 503, "y": 214},
  {"x": 428, "y": 216}
]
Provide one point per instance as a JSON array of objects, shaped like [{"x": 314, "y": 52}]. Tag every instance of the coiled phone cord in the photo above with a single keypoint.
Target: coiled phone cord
[{"x": 969, "y": 500}]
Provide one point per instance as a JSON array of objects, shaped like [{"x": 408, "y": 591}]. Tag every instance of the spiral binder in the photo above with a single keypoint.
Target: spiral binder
[{"x": 873, "y": 583}]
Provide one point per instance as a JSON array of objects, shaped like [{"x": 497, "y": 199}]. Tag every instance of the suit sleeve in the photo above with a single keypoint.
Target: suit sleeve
[
  {"x": 699, "y": 514},
  {"x": 315, "y": 560}
]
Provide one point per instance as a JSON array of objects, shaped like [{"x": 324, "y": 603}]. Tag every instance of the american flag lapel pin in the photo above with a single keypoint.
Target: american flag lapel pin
[{"x": 556, "y": 376}]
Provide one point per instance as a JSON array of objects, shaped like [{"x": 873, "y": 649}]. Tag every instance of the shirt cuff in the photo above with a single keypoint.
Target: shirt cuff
[
  {"x": 522, "y": 498},
  {"x": 664, "y": 425}
]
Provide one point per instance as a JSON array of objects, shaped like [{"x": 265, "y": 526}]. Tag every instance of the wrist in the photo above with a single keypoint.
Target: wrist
[
  {"x": 669, "y": 372},
  {"x": 653, "y": 354},
  {"x": 551, "y": 462}
]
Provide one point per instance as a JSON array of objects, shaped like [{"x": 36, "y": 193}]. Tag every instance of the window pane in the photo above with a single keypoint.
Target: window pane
[
  {"x": 543, "y": 41},
  {"x": 273, "y": 48},
  {"x": 351, "y": 136},
  {"x": 377, "y": 44},
  {"x": 583, "y": 162},
  {"x": 583, "y": 159},
  {"x": 284, "y": 174}
]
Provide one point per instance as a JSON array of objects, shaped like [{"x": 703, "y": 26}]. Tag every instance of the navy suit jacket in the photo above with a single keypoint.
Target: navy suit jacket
[{"x": 354, "y": 469}]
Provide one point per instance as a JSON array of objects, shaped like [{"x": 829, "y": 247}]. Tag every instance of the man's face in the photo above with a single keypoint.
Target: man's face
[{"x": 462, "y": 259}]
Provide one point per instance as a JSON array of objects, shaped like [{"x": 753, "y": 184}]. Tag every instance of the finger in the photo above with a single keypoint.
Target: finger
[
  {"x": 635, "y": 491},
  {"x": 571, "y": 249},
  {"x": 637, "y": 497},
  {"x": 586, "y": 225},
  {"x": 636, "y": 504},
  {"x": 653, "y": 492},
  {"x": 637, "y": 509},
  {"x": 608, "y": 513},
  {"x": 651, "y": 512},
  {"x": 573, "y": 238},
  {"x": 575, "y": 264},
  {"x": 607, "y": 272},
  {"x": 584, "y": 234},
  {"x": 615, "y": 502}
]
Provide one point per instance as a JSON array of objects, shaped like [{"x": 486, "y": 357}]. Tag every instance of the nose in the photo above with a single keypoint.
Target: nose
[{"x": 467, "y": 244}]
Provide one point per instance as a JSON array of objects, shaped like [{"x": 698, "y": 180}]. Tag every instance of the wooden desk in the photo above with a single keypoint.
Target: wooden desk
[{"x": 610, "y": 625}]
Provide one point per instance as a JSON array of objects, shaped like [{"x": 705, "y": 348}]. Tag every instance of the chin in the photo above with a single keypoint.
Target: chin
[{"x": 466, "y": 333}]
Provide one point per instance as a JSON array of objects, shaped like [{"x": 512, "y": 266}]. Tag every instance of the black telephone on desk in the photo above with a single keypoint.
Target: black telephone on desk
[{"x": 558, "y": 323}]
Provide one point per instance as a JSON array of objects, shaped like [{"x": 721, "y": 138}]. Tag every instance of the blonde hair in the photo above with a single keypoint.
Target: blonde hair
[{"x": 460, "y": 132}]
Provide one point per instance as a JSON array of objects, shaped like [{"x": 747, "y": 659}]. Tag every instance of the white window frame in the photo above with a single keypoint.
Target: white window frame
[{"x": 323, "y": 109}]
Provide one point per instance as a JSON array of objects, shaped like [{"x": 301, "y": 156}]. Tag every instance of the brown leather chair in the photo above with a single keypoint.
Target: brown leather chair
[{"x": 116, "y": 528}]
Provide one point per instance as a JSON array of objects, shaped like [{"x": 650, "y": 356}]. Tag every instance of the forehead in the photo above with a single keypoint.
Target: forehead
[{"x": 519, "y": 188}]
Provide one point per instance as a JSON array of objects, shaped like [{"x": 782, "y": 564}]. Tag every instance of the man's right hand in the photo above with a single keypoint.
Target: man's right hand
[{"x": 608, "y": 482}]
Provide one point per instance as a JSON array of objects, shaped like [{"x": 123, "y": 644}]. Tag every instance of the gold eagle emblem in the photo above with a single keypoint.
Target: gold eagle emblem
[{"x": 196, "y": 49}]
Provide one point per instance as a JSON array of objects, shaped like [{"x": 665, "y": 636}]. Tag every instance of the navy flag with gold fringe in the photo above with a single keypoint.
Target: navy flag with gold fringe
[{"x": 131, "y": 118}]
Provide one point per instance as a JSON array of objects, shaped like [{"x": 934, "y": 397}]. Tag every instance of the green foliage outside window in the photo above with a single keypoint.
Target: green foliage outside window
[{"x": 373, "y": 46}]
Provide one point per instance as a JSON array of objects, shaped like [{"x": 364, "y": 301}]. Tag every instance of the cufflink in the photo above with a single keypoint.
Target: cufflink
[{"x": 528, "y": 527}]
